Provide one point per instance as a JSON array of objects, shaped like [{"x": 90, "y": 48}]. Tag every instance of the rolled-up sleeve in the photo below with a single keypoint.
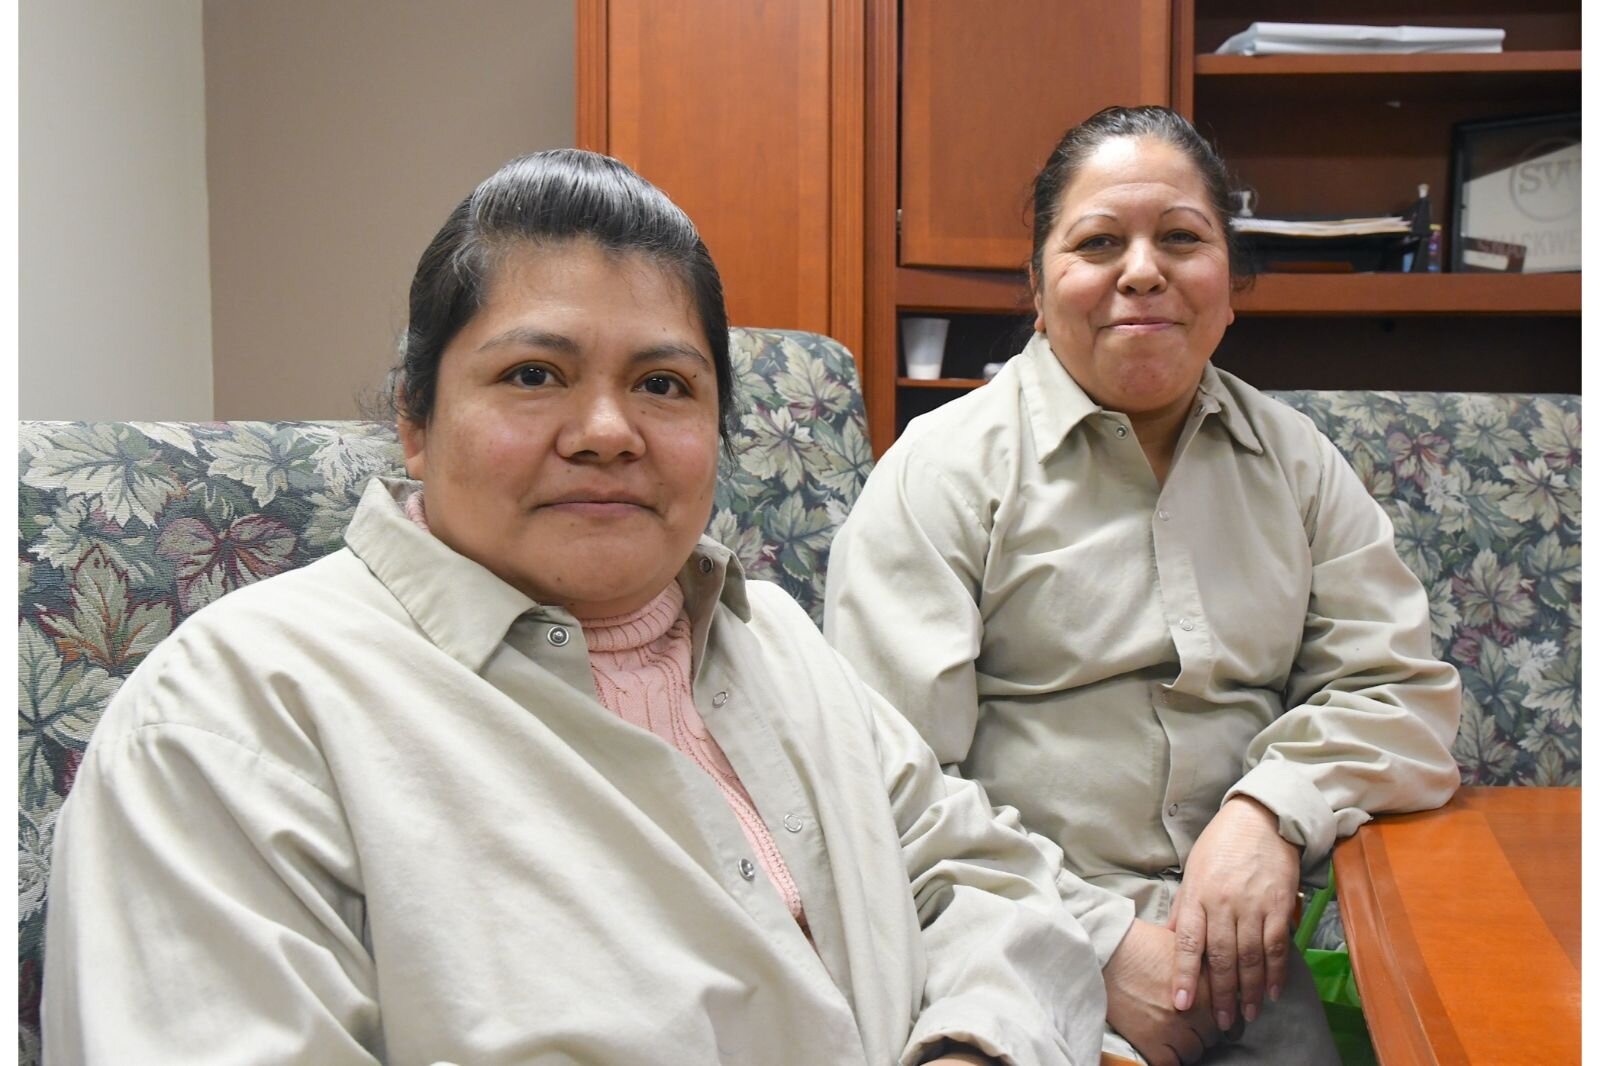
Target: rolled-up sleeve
[{"x": 1371, "y": 712}]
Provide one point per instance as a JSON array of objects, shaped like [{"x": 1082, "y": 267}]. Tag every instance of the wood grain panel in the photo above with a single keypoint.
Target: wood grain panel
[
  {"x": 727, "y": 106},
  {"x": 592, "y": 72},
  {"x": 1453, "y": 953},
  {"x": 987, "y": 90},
  {"x": 882, "y": 130},
  {"x": 1183, "y": 58},
  {"x": 847, "y": 186}
]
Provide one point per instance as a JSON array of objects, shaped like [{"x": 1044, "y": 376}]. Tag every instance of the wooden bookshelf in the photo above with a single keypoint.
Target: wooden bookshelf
[{"x": 897, "y": 182}]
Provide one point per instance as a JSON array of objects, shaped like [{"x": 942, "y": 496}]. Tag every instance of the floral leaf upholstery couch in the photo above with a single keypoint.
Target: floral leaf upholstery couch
[
  {"x": 1484, "y": 492},
  {"x": 125, "y": 529}
]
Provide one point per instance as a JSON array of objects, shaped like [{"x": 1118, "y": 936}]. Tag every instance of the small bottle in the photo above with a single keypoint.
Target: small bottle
[
  {"x": 1435, "y": 248},
  {"x": 1421, "y": 223}
]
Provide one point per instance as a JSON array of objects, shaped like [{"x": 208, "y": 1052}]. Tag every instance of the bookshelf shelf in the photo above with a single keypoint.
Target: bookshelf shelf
[
  {"x": 992, "y": 292},
  {"x": 961, "y": 291},
  {"x": 960, "y": 384},
  {"x": 1412, "y": 294},
  {"x": 1215, "y": 66}
]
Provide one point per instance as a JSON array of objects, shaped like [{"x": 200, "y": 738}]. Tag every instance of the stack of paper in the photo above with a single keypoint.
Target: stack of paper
[
  {"x": 1312, "y": 38},
  {"x": 1337, "y": 227}
]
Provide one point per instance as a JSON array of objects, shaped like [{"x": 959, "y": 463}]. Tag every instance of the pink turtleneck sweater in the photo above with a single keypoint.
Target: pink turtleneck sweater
[{"x": 640, "y": 662}]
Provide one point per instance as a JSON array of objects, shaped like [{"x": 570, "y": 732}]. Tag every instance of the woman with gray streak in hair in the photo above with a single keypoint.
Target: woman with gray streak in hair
[{"x": 1151, "y": 609}]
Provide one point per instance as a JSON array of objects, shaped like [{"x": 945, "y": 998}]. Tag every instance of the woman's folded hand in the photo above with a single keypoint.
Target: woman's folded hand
[{"x": 1233, "y": 912}]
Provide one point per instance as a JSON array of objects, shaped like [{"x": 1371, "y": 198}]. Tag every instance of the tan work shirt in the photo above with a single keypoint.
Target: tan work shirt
[
  {"x": 1115, "y": 657},
  {"x": 371, "y": 811}
]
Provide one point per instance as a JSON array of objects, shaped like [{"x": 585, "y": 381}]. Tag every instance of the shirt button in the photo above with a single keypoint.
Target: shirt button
[
  {"x": 1172, "y": 810},
  {"x": 1186, "y": 625},
  {"x": 747, "y": 869},
  {"x": 558, "y": 636},
  {"x": 1122, "y": 431},
  {"x": 719, "y": 699},
  {"x": 1163, "y": 515},
  {"x": 792, "y": 823},
  {"x": 705, "y": 565}
]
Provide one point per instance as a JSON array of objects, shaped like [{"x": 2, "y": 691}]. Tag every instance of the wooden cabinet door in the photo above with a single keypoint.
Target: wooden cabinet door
[
  {"x": 749, "y": 116},
  {"x": 987, "y": 89}
]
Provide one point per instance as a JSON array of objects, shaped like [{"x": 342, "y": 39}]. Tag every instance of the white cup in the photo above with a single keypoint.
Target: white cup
[{"x": 923, "y": 339}]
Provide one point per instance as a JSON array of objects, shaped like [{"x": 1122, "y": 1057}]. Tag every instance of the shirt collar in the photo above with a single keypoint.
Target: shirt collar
[
  {"x": 1056, "y": 404},
  {"x": 1216, "y": 397},
  {"x": 465, "y": 609}
]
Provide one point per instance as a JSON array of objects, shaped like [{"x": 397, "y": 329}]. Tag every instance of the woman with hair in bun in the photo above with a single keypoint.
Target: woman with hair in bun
[{"x": 529, "y": 772}]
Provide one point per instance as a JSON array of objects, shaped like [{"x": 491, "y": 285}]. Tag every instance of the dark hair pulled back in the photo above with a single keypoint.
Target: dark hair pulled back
[
  {"x": 1162, "y": 123},
  {"x": 544, "y": 200}
]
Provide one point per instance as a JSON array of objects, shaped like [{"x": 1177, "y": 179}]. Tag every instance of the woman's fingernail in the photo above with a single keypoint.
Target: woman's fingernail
[
  {"x": 1224, "y": 1019},
  {"x": 1182, "y": 999},
  {"x": 1272, "y": 993},
  {"x": 1249, "y": 1012}
]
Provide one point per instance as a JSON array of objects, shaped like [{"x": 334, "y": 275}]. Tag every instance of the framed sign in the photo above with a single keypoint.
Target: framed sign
[{"x": 1518, "y": 203}]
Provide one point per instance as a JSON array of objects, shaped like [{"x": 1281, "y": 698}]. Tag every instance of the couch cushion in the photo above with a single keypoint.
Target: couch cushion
[{"x": 1484, "y": 492}]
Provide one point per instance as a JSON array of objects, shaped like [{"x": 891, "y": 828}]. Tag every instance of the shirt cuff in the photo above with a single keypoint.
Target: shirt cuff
[
  {"x": 941, "y": 1048},
  {"x": 1104, "y": 915},
  {"x": 1000, "y": 1038},
  {"x": 1304, "y": 817}
]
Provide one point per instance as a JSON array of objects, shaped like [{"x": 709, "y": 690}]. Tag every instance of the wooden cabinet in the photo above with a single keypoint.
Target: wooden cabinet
[
  {"x": 964, "y": 103},
  {"x": 854, "y": 161},
  {"x": 987, "y": 90},
  {"x": 749, "y": 115}
]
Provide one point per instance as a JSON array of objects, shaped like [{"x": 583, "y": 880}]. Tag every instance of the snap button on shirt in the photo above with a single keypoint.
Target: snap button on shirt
[
  {"x": 705, "y": 566},
  {"x": 719, "y": 699},
  {"x": 747, "y": 869},
  {"x": 1186, "y": 625},
  {"x": 1122, "y": 431},
  {"x": 1163, "y": 515},
  {"x": 792, "y": 823},
  {"x": 1172, "y": 810},
  {"x": 558, "y": 636}
]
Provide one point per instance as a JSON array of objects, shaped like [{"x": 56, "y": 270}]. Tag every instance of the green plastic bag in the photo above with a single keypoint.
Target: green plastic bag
[{"x": 1336, "y": 987}]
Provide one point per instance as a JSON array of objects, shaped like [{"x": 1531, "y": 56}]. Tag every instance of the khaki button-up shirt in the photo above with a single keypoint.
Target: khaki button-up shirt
[
  {"x": 371, "y": 811},
  {"x": 1114, "y": 657}
]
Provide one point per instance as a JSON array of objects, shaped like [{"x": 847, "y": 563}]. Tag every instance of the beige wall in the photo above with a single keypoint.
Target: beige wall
[
  {"x": 340, "y": 134},
  {"x": 114, "y": 300}
]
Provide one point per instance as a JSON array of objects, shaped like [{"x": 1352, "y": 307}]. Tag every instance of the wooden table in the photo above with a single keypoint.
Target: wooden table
[{"x": 1464, "y": 926}]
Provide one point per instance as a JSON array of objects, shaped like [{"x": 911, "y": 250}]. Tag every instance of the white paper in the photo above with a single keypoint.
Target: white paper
[
  {"x": 1340, "y": 227},
  {"x": 1318, "y": 38}
]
